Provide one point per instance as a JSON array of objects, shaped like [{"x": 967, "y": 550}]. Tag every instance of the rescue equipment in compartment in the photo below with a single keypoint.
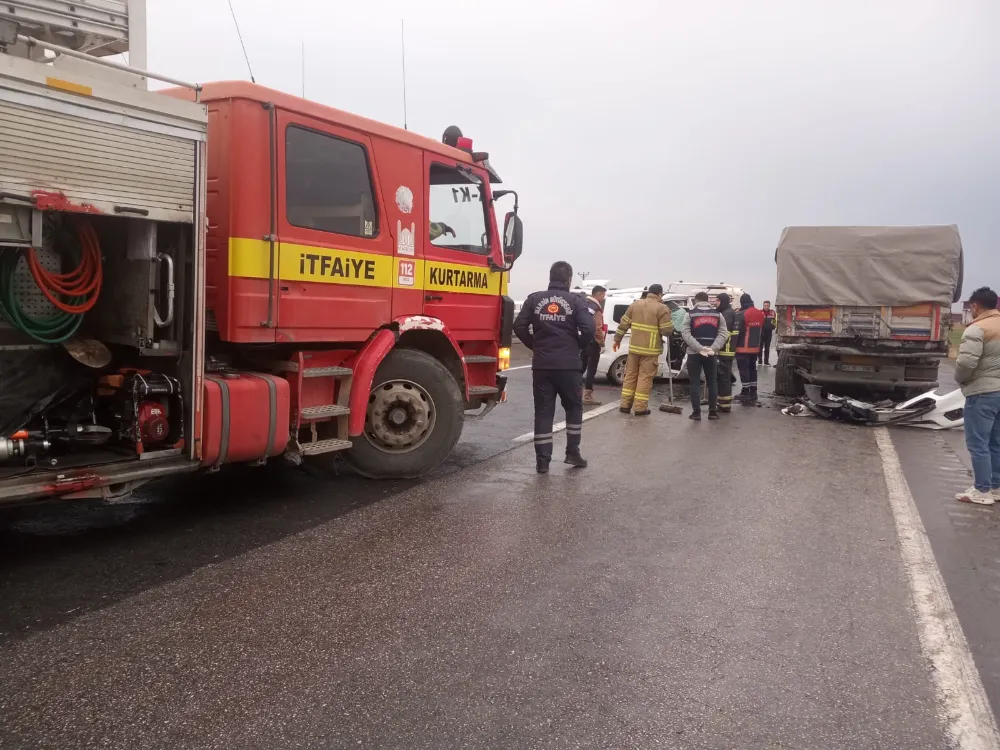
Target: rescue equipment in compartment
[
  {"x": 89, "y": 352},
  {"x": 72, "y": 293},
  {"x": 27, "y": 443},
  {"x": 147, "y": 407}
]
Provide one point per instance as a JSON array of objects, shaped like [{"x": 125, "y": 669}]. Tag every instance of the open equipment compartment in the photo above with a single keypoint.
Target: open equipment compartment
[
  {"x": 96, "y": 340},
  {"x": 102, "y": 223}
]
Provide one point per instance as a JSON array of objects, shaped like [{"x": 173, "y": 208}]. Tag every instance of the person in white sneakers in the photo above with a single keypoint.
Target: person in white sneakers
[{"x": 977, "y": 370}]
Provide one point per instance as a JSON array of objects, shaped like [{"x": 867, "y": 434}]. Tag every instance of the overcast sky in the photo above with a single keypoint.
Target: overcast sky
[{"x": 658, "y": 141}]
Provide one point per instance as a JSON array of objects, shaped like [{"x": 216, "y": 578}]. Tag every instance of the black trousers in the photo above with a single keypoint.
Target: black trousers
[
  {"x": 765, "y": 348},
  {"x": 547, "y": 385},
  {"x": 697, "y": 363},
  {"x": 724, "y": 370},
  {"x": 747, "y": 364},
  {"x": 590, "y": 355}
]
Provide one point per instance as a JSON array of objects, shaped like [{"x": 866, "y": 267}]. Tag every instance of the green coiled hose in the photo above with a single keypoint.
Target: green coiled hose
[{"x": 49, "y": 329}]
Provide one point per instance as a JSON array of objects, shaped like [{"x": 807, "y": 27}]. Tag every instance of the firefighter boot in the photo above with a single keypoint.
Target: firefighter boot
[
  {"x": 589, "y": 400},
  {"x": 574, "y": 459}
]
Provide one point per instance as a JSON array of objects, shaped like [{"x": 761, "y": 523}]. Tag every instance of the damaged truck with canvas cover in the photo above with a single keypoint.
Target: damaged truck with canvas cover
[{"x": 865, "y": 310}]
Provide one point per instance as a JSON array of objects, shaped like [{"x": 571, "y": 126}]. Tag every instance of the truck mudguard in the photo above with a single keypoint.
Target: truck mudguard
[
  {"x": 375, "y": 350},
  {"x": 428, "y": 323},
  {"x": 365, "y": 365}
]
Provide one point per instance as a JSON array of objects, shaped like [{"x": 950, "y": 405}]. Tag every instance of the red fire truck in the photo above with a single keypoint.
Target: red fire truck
[{"x": 228, "y": 274}]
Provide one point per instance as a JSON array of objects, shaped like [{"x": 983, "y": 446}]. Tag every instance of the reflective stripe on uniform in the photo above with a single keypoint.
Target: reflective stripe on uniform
[
  {"x": 623, "y": 326},
  {"x": 728, "y": 350}
]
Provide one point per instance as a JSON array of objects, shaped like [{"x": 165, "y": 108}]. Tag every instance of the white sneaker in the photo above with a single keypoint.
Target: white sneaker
[{"x": 972, "y": 495}]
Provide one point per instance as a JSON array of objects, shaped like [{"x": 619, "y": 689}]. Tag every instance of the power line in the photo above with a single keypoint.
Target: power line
[{"x": 240, "y": 35}]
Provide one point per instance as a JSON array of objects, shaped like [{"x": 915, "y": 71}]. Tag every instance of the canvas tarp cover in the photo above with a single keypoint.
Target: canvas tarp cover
[{"x": 869, "y": 266}]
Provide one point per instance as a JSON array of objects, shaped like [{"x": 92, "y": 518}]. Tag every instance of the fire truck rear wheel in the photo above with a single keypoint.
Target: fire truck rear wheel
[{"x": 414, "y": 419}]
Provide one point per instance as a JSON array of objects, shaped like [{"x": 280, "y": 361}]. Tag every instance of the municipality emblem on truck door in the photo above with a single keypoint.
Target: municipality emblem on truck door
[{"x": 405, "y": 235}]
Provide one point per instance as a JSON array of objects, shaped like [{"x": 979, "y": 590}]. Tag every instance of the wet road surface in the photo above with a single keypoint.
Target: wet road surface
[{"x": 731, "y": 584}]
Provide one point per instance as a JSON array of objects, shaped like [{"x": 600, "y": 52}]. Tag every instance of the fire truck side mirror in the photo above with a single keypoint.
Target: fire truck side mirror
[{"x": 513, "y": 237}]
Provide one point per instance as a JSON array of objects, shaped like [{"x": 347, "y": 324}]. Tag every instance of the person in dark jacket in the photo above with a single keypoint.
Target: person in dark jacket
[
  {"x": 556, "y": 325},
  {"x": 724, "y": 365},
  {"x": 749, "y": 329},
  {"x": 767, "y": 334}
]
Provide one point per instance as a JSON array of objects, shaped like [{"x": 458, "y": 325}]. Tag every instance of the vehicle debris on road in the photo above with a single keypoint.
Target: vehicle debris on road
[{"x": 929, "y": 410}]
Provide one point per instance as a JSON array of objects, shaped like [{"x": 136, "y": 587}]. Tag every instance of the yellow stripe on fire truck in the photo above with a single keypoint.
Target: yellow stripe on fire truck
[{"x": 251, "y": 259}]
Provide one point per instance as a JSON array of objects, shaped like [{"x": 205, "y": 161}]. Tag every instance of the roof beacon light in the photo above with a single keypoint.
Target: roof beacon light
[{"x": 465, "y": 144}]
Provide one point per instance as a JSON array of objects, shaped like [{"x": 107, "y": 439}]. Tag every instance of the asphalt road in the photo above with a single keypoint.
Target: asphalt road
[{"x": 730, "y": 584}]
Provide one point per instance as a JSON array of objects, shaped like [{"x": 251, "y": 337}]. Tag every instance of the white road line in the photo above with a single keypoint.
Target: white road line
[
  {"x": 560, "y": 426},
  {"x": 965, "y": 710},
  {"x": 519, "y": 367}
]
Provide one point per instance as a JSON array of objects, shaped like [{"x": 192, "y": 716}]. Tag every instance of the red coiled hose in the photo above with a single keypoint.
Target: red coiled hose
[{"x": 83, "y": 282}]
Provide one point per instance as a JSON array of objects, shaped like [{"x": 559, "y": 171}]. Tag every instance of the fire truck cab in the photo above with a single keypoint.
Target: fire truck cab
[{"x": 330, "y": 234}]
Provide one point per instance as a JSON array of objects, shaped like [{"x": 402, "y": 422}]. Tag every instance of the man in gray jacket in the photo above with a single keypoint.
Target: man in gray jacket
[{"x": 978, "y": 372}]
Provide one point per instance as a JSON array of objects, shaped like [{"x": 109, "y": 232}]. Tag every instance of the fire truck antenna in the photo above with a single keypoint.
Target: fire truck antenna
[
  {"x": 402, "y": 47},
  {"x": 240, "y": 35}
]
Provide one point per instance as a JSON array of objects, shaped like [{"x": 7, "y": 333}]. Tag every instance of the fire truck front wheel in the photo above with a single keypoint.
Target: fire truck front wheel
[{"x": 414, "y": 418}]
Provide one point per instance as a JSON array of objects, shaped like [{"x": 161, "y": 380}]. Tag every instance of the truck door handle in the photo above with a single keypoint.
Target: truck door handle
[{"x": 433, "y": 298}]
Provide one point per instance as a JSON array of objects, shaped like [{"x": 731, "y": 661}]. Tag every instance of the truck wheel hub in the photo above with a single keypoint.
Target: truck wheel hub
[{"x": 400, "y": 417}]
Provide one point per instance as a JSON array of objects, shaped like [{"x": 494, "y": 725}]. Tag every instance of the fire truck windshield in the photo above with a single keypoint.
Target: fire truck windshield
[{"x": 458, "y": 216}]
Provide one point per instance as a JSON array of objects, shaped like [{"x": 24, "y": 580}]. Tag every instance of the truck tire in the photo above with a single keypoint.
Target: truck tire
[
  {"x": 415, "y": 418},
  {"x": 787, "y": 382}
]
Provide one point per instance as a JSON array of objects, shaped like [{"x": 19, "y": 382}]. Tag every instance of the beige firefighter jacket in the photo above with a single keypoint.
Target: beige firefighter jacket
[{"x": 649, "y": 320}]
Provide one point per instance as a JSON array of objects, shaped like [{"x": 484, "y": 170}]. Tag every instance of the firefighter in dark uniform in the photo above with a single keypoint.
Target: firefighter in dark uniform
[
  {"x": 727, "y": 355},
  {"x": 556, "y": 325},
  {"x": 749, "y": 329}
]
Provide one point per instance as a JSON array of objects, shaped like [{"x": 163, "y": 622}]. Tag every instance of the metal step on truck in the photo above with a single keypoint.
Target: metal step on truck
[{"x": 223, "y": 274}]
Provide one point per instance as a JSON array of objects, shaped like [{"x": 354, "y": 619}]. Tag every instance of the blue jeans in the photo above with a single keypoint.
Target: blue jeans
[{"x": 982, "y": 438}]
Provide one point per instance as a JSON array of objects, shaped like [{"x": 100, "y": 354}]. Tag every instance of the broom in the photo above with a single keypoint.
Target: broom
[{"x": 670, "y": 408}]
